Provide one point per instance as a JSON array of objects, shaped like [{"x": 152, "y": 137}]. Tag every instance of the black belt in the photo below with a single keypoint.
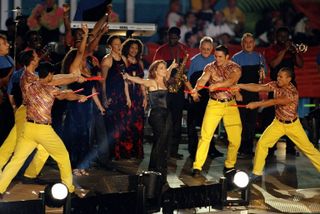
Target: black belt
[
  {"x": 288, "y": 121},
  {"x": 222, "y": 100},
  {"x": 32, "y": 121}
]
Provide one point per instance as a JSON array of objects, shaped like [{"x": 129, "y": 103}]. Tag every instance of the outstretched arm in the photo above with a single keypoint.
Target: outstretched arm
[
  {"x": 270, "y": 102},
  {"x": 254, "y": 87},
  {"x": 145, "y": 82}
]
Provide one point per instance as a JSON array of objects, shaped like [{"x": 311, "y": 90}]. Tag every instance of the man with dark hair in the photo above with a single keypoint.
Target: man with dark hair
[
  {"x": 174, "y": 50},
  {"x": 220, "y": 73},
  {"x": 38, "y": 96},
  {"x": 286, "y": 121}
]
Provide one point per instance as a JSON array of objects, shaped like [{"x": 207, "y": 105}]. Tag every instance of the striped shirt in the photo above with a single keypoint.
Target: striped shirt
[
  {"x": 289, "y": 110},
  {"x": 220, "y": 74}
]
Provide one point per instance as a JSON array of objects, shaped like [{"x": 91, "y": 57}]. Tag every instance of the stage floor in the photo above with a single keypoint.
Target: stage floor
[{"x": 290, "y": 184}]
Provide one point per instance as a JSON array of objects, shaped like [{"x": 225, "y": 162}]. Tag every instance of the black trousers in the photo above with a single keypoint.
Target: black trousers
[
  {"x": 248, "y": 120},
  {"x": 160, "y": 121}
]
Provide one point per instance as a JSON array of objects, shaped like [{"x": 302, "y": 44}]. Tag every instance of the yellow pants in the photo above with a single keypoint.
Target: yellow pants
[
  {"x": 216, "y": 111},
  {"x": 34, "y": 135},
  {"x": 271, "y": 135},
  {"x": 7, "y": 148}
]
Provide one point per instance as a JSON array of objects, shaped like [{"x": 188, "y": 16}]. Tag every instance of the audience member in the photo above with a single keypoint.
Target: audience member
[
  {"x": 188, "y": 26},
  {"x": 218, "y": 27},
  {"x": 234, "y": 17},
  {"x": 174, "y": 17},
  {"x": 47, "y": 17}
]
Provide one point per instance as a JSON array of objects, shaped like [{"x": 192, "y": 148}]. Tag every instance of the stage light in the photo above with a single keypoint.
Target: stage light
[
  {"x": 55, "y": 195},
  {"x": 241, "y": 179},
  {"x": 235, "y": 188}
]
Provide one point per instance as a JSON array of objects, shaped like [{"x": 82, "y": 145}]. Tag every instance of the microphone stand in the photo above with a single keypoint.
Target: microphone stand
[{"x": 17, "y": 21}]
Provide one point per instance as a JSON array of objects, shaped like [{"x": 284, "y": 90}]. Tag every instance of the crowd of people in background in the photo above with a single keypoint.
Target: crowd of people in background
[
  {"x": 227, "y": 25},
  {"x": 108, "y": 97}
]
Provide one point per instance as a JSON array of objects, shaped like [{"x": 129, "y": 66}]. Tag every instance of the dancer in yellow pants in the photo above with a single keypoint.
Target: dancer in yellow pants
[
  {"x": 219, "y": 73},
  {"x": 286, "y": 121},
  {"x": 39, "y": 96}
]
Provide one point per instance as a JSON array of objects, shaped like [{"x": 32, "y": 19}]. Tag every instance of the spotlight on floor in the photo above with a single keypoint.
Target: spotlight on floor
[
  {"x": 55, "y": 195},
  {"x": 235, "y": 189}
]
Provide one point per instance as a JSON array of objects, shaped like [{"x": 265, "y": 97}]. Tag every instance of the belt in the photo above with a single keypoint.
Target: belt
[
  {"x": 32, "y": 121},
  {"x": 288, "y": 121},
  {"x": 222, "y": 100}
]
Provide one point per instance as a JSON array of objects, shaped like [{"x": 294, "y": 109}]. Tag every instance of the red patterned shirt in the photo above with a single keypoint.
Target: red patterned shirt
[
  {"x": 289, "y": 110},
  {"x": 220, "y": 74},
  {"x": 38, "y": 98}
]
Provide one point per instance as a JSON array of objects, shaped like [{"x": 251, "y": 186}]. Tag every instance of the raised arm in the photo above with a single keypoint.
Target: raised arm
[
  {"x": 170, "y": 68},
  {"x": 94, "y": 41},
  {"x": 65, "y": 79},
  {"x": 67, "y": 25},
  {"x": 145, "y": 82},
  {"x": 76, "y": 64}
]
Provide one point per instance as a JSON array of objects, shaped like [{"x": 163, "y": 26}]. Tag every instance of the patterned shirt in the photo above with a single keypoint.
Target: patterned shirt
[
  {"x": 38, "y": 98},
  {"x": 289, "y": 110},
  {"x": 220, "y": 74}
]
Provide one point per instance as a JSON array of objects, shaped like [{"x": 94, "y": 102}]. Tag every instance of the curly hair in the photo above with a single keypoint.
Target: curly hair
[{"x": 126, "y": 47}]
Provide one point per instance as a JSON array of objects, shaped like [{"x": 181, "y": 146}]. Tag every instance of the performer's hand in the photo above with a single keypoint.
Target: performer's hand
[
  {"x": 85, "y": 29},
  {"x": 262, "y": 75},
  {"x": 195, "y": 96},
  {"x": 129, "y": 103},
  {"x": 81, "y": 79},
  {"x": 173, "y": 65},
  {"x": 253, "y": 105},
  {"x": 102, "y": 110},
  {"x": 107, "y": 102},
  {"x": 82, "y": 98},
  {"x": 125, "y": 76}
]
